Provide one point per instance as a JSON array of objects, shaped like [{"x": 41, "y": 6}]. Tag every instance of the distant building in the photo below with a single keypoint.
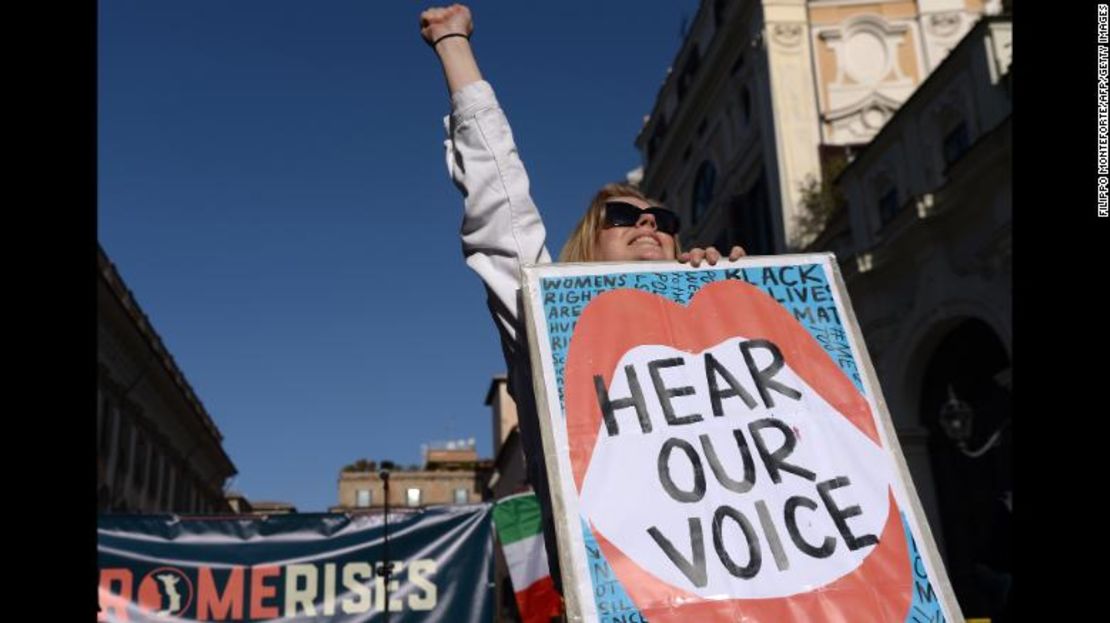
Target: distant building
[
  {"x": 158, "y": 449},
  {"x": 924, "y": 243},
  {"x": 239, "y": 503},
  {"x": 270, "y": 507},
  {"x": 761, "y": 91},
  {"x": 452, "y": 474},
  {"x": 880, "y": 131},
  {"x": 508, "y": 474}
]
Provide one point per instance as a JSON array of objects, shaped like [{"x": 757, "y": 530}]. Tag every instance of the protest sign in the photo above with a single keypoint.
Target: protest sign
[{"x": 719, "y": 449}]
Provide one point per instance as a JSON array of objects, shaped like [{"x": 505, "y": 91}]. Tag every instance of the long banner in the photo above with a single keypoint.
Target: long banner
[
  {"x": 719, "y": 449},
  {"x": 308, "y": 567}
]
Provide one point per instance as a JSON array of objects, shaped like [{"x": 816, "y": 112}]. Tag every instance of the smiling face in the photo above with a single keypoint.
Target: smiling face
[{"x": 640, "y": 242}]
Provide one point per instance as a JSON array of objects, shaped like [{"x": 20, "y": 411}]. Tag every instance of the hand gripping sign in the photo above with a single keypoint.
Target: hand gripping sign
[{"x": 721, "y": 449}]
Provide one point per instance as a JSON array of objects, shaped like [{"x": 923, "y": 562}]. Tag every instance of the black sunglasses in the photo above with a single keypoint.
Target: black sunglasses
[{"x": 621, "y": 214}]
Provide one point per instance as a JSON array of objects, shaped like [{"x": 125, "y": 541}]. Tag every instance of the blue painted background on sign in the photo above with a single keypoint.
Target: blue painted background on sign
[
  {"x": 925, "y": 605},
  {"x": 610, "y": 598}
]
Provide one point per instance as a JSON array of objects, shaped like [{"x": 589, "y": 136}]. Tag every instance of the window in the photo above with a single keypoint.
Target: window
[
  {"x": 955, "y": 143},
  {"x": 363, "y": 498},
  {"x": 412, "y": 497},
  {"x": 750, "y": 218},
  {"x": 888, "y": 205},
  {"x": 703, "y": 190},
  {"x": 106, "y": 428},
  {"x": 155, "y": 477},
  {"x": 686, "y": 79},
  {"x": 138, "y": 472},
  {"x": 657, "y": 136},
  {"x": 164, "y": 501},
  {"x": 123, "y": 452},
  {"x": 738, "y": 64},
  {"x": 461, "y": 496},
  {"x": 182, "y": 494}
]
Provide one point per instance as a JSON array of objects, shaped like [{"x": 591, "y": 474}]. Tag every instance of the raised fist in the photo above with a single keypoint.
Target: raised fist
[{"x": 436, "y": 22}]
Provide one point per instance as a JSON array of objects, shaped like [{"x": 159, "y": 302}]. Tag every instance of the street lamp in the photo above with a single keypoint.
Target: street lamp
[
  {"x": 957, "y": 420},
  {"x": 386, "y": 570}
]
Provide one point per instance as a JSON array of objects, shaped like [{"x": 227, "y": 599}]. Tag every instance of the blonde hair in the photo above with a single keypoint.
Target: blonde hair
[{"x": 580, "y": 244}]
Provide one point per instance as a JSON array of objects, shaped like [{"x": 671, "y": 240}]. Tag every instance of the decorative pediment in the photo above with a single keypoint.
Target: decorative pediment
[
  {"x": 866, "y": 48},
  {"x": 872, "y": 111}
]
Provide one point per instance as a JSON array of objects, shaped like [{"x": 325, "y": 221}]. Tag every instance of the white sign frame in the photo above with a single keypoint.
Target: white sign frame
[{"x": 577, "y": 583}]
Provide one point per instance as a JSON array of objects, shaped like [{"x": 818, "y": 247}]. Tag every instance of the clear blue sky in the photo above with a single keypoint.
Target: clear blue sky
[{"x": 272, "y": 189}]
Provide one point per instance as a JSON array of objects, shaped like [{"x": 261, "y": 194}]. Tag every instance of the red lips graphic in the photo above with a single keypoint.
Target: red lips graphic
[{"x": 620, "y": 320}]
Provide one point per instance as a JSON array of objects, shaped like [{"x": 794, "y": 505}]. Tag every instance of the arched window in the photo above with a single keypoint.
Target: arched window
[
  {"x": 704, "y": 183},
  {"x": 886, "y": 197},
  {"x": 750, "y": 219},
  {"x": 966, "y": 380},
  {"x": 952, "y": 129},
  {"x": 955, "y": 142}
]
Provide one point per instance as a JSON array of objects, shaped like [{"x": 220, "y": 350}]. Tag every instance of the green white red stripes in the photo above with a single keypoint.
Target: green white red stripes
[{"x": 517, "y": 520}]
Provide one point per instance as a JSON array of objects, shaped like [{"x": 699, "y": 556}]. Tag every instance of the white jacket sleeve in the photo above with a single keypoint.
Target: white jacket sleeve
[{"x": 501, "y": 229}]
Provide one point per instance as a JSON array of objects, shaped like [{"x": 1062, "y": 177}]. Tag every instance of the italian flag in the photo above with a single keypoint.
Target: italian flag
[{"x": 517, "y": 519}]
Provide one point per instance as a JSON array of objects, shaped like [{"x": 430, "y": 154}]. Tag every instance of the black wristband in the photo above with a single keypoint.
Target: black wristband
[{"x": 454, "y": 34}]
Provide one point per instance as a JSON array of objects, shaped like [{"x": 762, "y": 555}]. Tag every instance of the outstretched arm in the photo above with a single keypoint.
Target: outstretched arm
[
  {"x": 501, "y": 230},
  {"x": 440, "y": 27}
]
